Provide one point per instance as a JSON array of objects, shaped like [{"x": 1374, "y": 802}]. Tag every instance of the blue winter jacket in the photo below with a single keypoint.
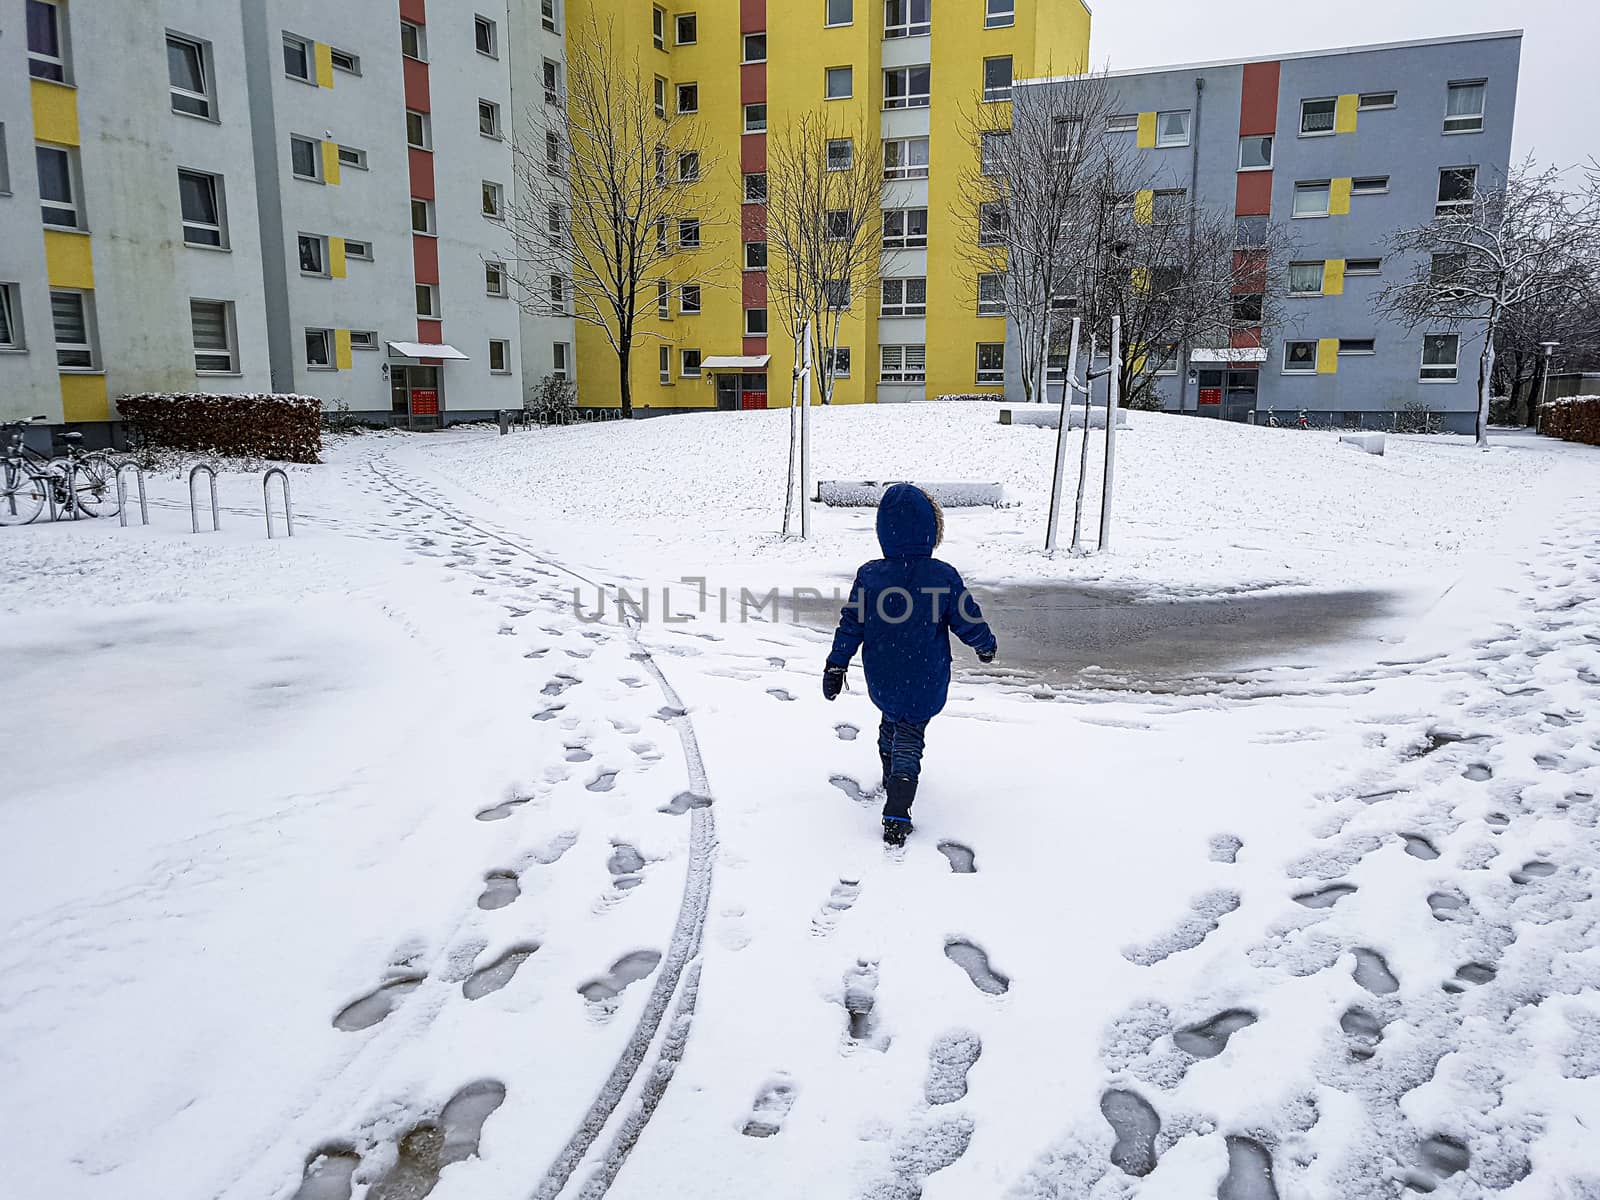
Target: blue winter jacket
[{"x": 903, "y": 607}]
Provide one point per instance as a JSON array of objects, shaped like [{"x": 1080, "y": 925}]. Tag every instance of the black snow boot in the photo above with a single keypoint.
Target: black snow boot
[
  {"x": 884, "y": 759},
  {"x": 897, "y": 825}
]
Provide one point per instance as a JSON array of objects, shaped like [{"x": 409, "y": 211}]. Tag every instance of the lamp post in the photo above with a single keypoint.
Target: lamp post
[{"x": 1549, "y": 349}]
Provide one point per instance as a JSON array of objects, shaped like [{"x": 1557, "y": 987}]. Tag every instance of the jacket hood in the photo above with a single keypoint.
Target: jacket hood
[{"x": 909, "y": 522}]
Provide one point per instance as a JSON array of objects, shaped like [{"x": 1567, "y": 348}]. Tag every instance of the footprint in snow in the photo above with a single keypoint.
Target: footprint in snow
[
  {"x": 1479, "y": 772},
  {"x": 851, "y": 788},
  {"x": 1225, "y": 848},
  {"x": 1206, "y": 913},
  {"x": 430, "y": 1146},
  {"x": 329, "y": 1174},
  {"x": 961, "y": 858},
  {"x": 578, "y": 754},
  {"x": 780, "y": 694},
  {"x": 840, "y": 899},
  {"x": 1474, "y": 974},
  {"x": 560, "y": 684},
  {"x": 549, "y": 714},
  {"x": 1210, "y": 1038},
  {"x": 974, "y": 961},
  {"x": 504, "y": 809},
  {"x": 603, "y": 782},
  {"x": 1364, "y": 1030},
  {"x": 860, "y": 999},
  {"x": 500, "y": 888},
  {"x": 1533, "y": 870},
  {"x": 1136, "y": 1125},
  {"x": 1249, "y": 1174},
  {"x": 1325, "y": 897},
  {"x": 626, "y": 865},
  {"x": 1420, "y": 847},
  {"x": 603, "y": 993},
  {"x": 846, "y": 732},
  {"x": 772, "y": 1105},
  {"x": 376, "y": 1004},
  {"x": 496, "y": 975},
  {"x": 1372, "y": 972},
  {"x": 1448, "y": 906},
  {"x": 684, "y": 802},
  {"x": 949, "y": 1061}
]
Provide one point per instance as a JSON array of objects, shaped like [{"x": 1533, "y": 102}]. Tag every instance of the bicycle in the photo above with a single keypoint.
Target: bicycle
[{"x": 84, "y": 483}]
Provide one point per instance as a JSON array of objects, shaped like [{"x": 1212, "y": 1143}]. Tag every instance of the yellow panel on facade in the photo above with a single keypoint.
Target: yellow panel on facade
[
  {"x": 1139, "y": 277},
  {"x": 1339, "y": 198},
  {"x": 55, "y": 112},
  {"x": 330, "y": 163},
  {"x": 341, "y": 349},
  {"x": 1344, "y": 114},
  {"x": 1144, "y": 208},
  {"x": 336, "y": 266},
  {"x": 1333, "y": 277},
  {"x": 69, "y": 259},
  {"x": 1147, "y": 131},
  {"x": 324, "y": 65},
  {"x": 83, "y": 398},
  {"x": 1328, "y": 356}
]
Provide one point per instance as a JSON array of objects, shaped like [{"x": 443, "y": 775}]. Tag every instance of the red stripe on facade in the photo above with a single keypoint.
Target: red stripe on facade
[
  {"x": 431, "y": 333},
  {"x": 753, "y": 153},
  {"x": 1254, "y": 194},
  {"x": 1258, "y": 104},
  {"x": 754, "y": 346},
  {"x": 754, "y": 222},
  {"x": 1245, "y": 339},
  {"x": 754, "y": 288},
  {"x": 421, "y": 163},
  {"x": 415, "y": 11},
  {"x": 416, "y": 79},
  {"x": 752, "y": 16},
  {"x": 425, "y": 258},
  {"x": 753, "y": 83}
]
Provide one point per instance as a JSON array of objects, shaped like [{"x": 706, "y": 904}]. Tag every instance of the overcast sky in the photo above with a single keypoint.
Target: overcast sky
[{"x": 1556, "y": 105}]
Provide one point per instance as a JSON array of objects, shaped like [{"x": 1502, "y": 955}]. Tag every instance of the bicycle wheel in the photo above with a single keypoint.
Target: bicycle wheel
[
  {"x": 94, "y": 486},
  {"x": 22, "y": 495}
]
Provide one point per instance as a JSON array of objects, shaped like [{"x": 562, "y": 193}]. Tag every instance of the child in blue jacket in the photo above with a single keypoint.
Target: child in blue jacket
[{"x": 903, "y": 608}]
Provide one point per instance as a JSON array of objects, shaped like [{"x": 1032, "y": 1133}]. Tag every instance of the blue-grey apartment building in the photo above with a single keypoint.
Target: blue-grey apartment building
[{"x": 1344, "y": 147}]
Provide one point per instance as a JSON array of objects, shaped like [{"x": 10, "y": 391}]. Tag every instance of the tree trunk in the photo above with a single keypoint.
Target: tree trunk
[
  {"x": 625, "y": 384},
  {"x": 1485, "y": 386}
]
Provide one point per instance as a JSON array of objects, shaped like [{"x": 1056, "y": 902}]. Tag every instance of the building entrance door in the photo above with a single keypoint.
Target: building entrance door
[
  {"x": 735, "y": 392},
  {"x": 1240, "y": 402},
  {"x": 414, "y": 397}
]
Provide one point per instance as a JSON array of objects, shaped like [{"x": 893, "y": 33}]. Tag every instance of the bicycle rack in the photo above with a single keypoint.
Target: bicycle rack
[
  {"x": 122, "y": 494},
  {"x": 194, "y": 509},
  {"x": 266, "y": 498}
]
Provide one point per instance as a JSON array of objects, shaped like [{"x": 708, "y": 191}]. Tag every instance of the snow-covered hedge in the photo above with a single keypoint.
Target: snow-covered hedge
[
  {"x": 1576, "y": 419},
  {"x": 993, "y": 397},
  {"x": 282, "y": 428}
]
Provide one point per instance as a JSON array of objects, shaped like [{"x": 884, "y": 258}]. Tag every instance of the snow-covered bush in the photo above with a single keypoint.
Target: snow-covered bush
[
  {"x": 993, "y": 397},
  {"x": 282, "y": 428},
  {"x": 1576, "y": 419}
]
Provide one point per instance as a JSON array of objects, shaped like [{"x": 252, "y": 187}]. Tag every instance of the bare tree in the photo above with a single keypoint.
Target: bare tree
[
  {"x": 611, "y": 206},
  {"x": 1496, "y": 248},
  {"x": 1569, "y": 317},
  {"x": 1033, "y": 203}
]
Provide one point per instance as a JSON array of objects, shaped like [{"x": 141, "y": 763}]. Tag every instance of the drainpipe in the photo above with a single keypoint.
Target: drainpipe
[{"x": 1194, "y": 204}]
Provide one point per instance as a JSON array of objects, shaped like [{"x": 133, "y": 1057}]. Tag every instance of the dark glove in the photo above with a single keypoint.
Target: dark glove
[
  {"x": 832, "y": 682},
  {"x": 987, "y": 656}
]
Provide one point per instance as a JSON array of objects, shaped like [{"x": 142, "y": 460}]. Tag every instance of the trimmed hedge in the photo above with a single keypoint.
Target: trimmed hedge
[
  {"x": 282, "y": 428},
  {"x": 1573, "y": 420}
]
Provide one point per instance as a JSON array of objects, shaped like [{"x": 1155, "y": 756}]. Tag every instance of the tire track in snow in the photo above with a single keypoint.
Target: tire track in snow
[{"x": 679, "y": 964}]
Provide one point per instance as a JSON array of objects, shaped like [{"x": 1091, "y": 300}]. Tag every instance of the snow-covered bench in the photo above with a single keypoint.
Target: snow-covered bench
[
  {"x": 1048, "y": 416},
  {"x": 865, "y": 493},
  {"x": 1372, "y": 443}
]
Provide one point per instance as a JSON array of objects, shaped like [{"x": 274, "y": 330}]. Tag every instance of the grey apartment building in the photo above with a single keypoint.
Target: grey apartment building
[{"x": 1344, "y": 147}]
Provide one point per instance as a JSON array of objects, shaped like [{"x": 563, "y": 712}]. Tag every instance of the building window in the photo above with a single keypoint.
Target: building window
[
  {"x": 993, "y": 146},
  {"x": 1369, "y": 185},
  {"x": 841, "y": 154},
  {"x": 499, "y": 356},
  {"x": 188, "y": 80},
  {"x": 319, "y": 349},
  {"x": 1457, "y": 191},
  {"x": 357, "y": 249},
  {"x": 1172, "y": 129},
  {"x": 836, "y": 294},
  {"x": 689, "y": 364},
  {"x": 1363, "y": 266},
  {"x": 841, "y": 12},
  {"x": 313, "y": 250},
  {"x": 558, "y": 296},
  {"x": 838, "y": 224},
  {"x": 991, "y": 364},
  {"x": 661, "y": 235},
  {"x": 689, "y": 233},
  {"x": 413, "y": 41},
  {"x": 1317, "y": 117},
  {"x": 997, "y": 78},
  {"x": 755, "y": 188},
  {"x": 1247, "y": 310},
  {"x": 1370, "y": 101},
  {"x": 992, "y": 224},
  {"x": 484, "y": 37},
  {"x": 688, "y": 29},
  {"x": 1357, "y": 347},
  {"x": 906, "y": 297},
  {"x": 554, "y": 162},
  {"x": 552, "y": 82},
  {"x": 419, "y": 130},
  {"x": 902, "y": 364},
  {"x": 212, "y": 323},
  {"x": 998, "y": 14},
  {"x": 755, "y": 322},
  {"x": 363, "y": 339},
  {"x": 422, "y": 216},
  {"x": 688, "y": 98},
  {"x": 755, "y": 118},
  {"x": 689, "y": 299},
  {"x": 556, "y": 224},
  {"x": 663, "y": 299},
  {"x": 905, "y": 158},
  {"x": 837, "y": 359},
  {"x": 1440, "y": 354},
  {"x": 297, "y": 58},
  {"x": 1168, "y": 207},
  {"x": 1300, "y": 358},
  {"x": 47, "y": 41},
  {"x": 661, "y": 98},
  {"x": 5, "y": 163},
  {"x": 906, "y": 18},
  {"x": 200, "y": 200},
  {"x": 343, "y": 60},
  {"x": 494, "y": 200},
  {"x": 427, "y": 300},
  {"x": 558, "y": 360},
  {"x": 305, "y": 157},
  {"x": 1255, "y": 153},
  {"x": 905, "y": 228},
  {"x": 991, "y": 295},
  {"x": 908, "y": 87},
  {"x": 658, "y": 27},
  {"x": 755, "y": 256},
  {"x": 689, "y": 166},
  {"x": 841, "y": 83},
  {"x": 547, "y": 14},
  {"x": 755, "y": 47},
  {"x": 488, "y": 118},
  {"x": 1305, "y": 278},
  {"x": 349, "y": 156},
  {"x": 10, "y": 318},
  {"x": 73, "y": 316},
  {"x": 1122, "y": 123},
  {"x": 494, "y": 279},
  {"x": 59, "y": 199},
  {"x": 1464, "y": 107},
  {"x": 664, "y": 363},
  {"x": 1311, "y": 199}
]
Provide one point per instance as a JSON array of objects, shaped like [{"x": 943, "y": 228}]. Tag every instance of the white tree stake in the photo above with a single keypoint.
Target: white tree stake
[
  {"x": 1113, "y": 402},
  {"x": 1083, "y": 460},
  {"x": 1059, "y": 478},
  {"x": 805, "y": 434}
]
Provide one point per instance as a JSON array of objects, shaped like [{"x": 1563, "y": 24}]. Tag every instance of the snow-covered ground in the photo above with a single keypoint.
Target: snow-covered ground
[{"x": 365, "y": 865}]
